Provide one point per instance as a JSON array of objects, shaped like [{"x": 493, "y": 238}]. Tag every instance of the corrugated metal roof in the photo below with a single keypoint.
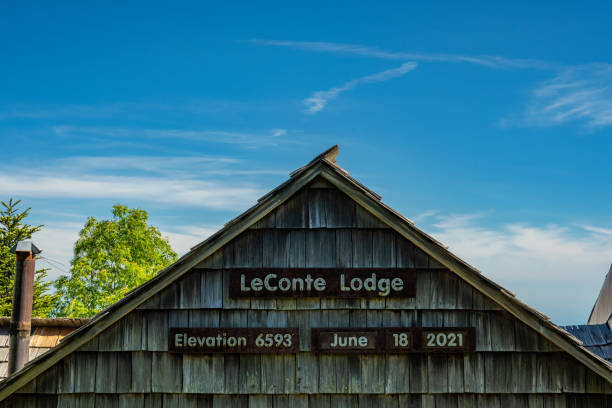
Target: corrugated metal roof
[
  {"x": 602, "y": 310},
  {"x": 597, "y": 338}
]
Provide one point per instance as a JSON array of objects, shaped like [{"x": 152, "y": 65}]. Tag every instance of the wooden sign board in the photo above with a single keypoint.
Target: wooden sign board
[
  {"x": 310, "y": 282},
  {"x": 393, "y": 340},
  {"x": 233, "y": 340}
]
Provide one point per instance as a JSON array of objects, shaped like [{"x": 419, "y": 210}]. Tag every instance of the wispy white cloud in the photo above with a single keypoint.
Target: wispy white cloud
[
  {"x": 264, "y": 138},
  {"x": 491, "y": 61},
  {"x": 279, "y": 132},
  {"x": 319, "y": 99},
  {"x": 219, "y": 195},
  {"x": 596, "y": 230},
  {"x": 578, "y": 93},
  {"x": 204, "y": 182},
  {"x": 545, "y": 266}
]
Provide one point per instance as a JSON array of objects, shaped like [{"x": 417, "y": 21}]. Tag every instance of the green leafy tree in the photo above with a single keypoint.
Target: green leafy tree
[
  {"x": 12, "y": 230},
  {"x": 111, "y": 257}
]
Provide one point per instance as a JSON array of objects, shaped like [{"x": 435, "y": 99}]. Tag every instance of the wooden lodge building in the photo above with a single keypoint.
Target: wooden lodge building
[{"x": 318, "y": 296}]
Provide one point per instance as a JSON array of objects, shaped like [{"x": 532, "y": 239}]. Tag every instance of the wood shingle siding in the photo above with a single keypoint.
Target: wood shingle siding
[{"x": 127, "y": 362}]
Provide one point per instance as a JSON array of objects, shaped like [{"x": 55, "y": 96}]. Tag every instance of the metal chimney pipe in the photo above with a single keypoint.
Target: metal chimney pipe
[{"x": 21, "y": 315}]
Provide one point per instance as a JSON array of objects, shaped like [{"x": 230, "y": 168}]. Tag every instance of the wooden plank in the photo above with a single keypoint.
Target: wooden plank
[
  {"x": 307, "y": 377},
  {"x": 141, "y": 371},
  {"x": 157, "y": 322},
  {"x": 340, "y": 209},
  {"x": 447, "y": 290},
  {"x": 473, "y": 372},
  {"x": 455, "y": 373},
  {"x": 573, "y": 375},
  {"x": 523, "y": 373},
  {"x": 293, "y": 213},
  {"x": 362, "y": 248},
  {"x": 488, "y": 401},
  {"x": 101, "y": 401},
  {"x": 526, "y": 339},
  {"x": 106, "y": 373},
  {"x": 365, "y": 219},
  {"x": 276, "y": 254},
  {"x": 514, "y": 401},
  {"x": 344, "y": 259},
  {"x": 212, "y": 289},
  {"x": 408, "y": 318},
  {"x": 231, "y": 363},
  {"x": 424, "y": 289},
  {"x": 317, "y": 208},
  {"x": 49, "y": 381},
  {"x": 180, "y": 401},
  {"x": 320, "y": 248},
  {"x": 167, "y": 372},
  {"x": 111, "y": 339},
  {"x": 260, "y": 401},
  {"x": 214, "y": 260},
  {"x": 397, "y": 374},
  {"x": 229, "y": 318},
  {"x": 190, "y": 287},
  {"x": 206, "y": 401},
  {"x": 501, "y": 331},
  {"x": 131, "y": 401},
  {"x": 124, "y": 372},
  {"x": 244, "y": 251},
  {"x": 233, "y": 401},
  {"x": 170, "y": 297},
  {"x": 554, "y": 401},
  {"x": 198, "y": 374},
  {"x": 501, "y": 365},
  {"x": 409, "y": 400},
  {"x": 456, "y": 318},
  {"x": 84, "y": 372},
  {"x": 372, "y": 373},
  {"x": 480, "y": 320},
  {"x": 418, "y": 373},
  {"x": 295, "y": 401},
  {"x": 466, "y": 401},
  {"x": 431, "y": 318},
  {"x": 290, "y": 370},
  {"x": 206, "y": 318},
  {"x": 319, "y": 401},
  {"x": 428, "y": 401},
  {"x": 272, "y": 374},
  {"x": 445, "y": 401},
  {"x": 327, "y": 373},
  {"x": 437, "y": 373},
  {"x": 267, "y": 222}
]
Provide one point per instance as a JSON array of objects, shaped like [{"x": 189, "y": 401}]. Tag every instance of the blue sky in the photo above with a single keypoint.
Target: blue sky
[{"x": 489, "y": 126}]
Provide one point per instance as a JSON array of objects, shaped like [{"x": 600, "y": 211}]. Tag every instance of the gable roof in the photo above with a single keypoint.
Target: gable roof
[
  {"x": 602, "y": 310},
  {"x": 324, "y": 166}
]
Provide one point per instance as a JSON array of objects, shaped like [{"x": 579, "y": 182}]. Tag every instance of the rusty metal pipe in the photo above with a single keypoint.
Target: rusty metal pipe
[{"x": 21, "y": 315}]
